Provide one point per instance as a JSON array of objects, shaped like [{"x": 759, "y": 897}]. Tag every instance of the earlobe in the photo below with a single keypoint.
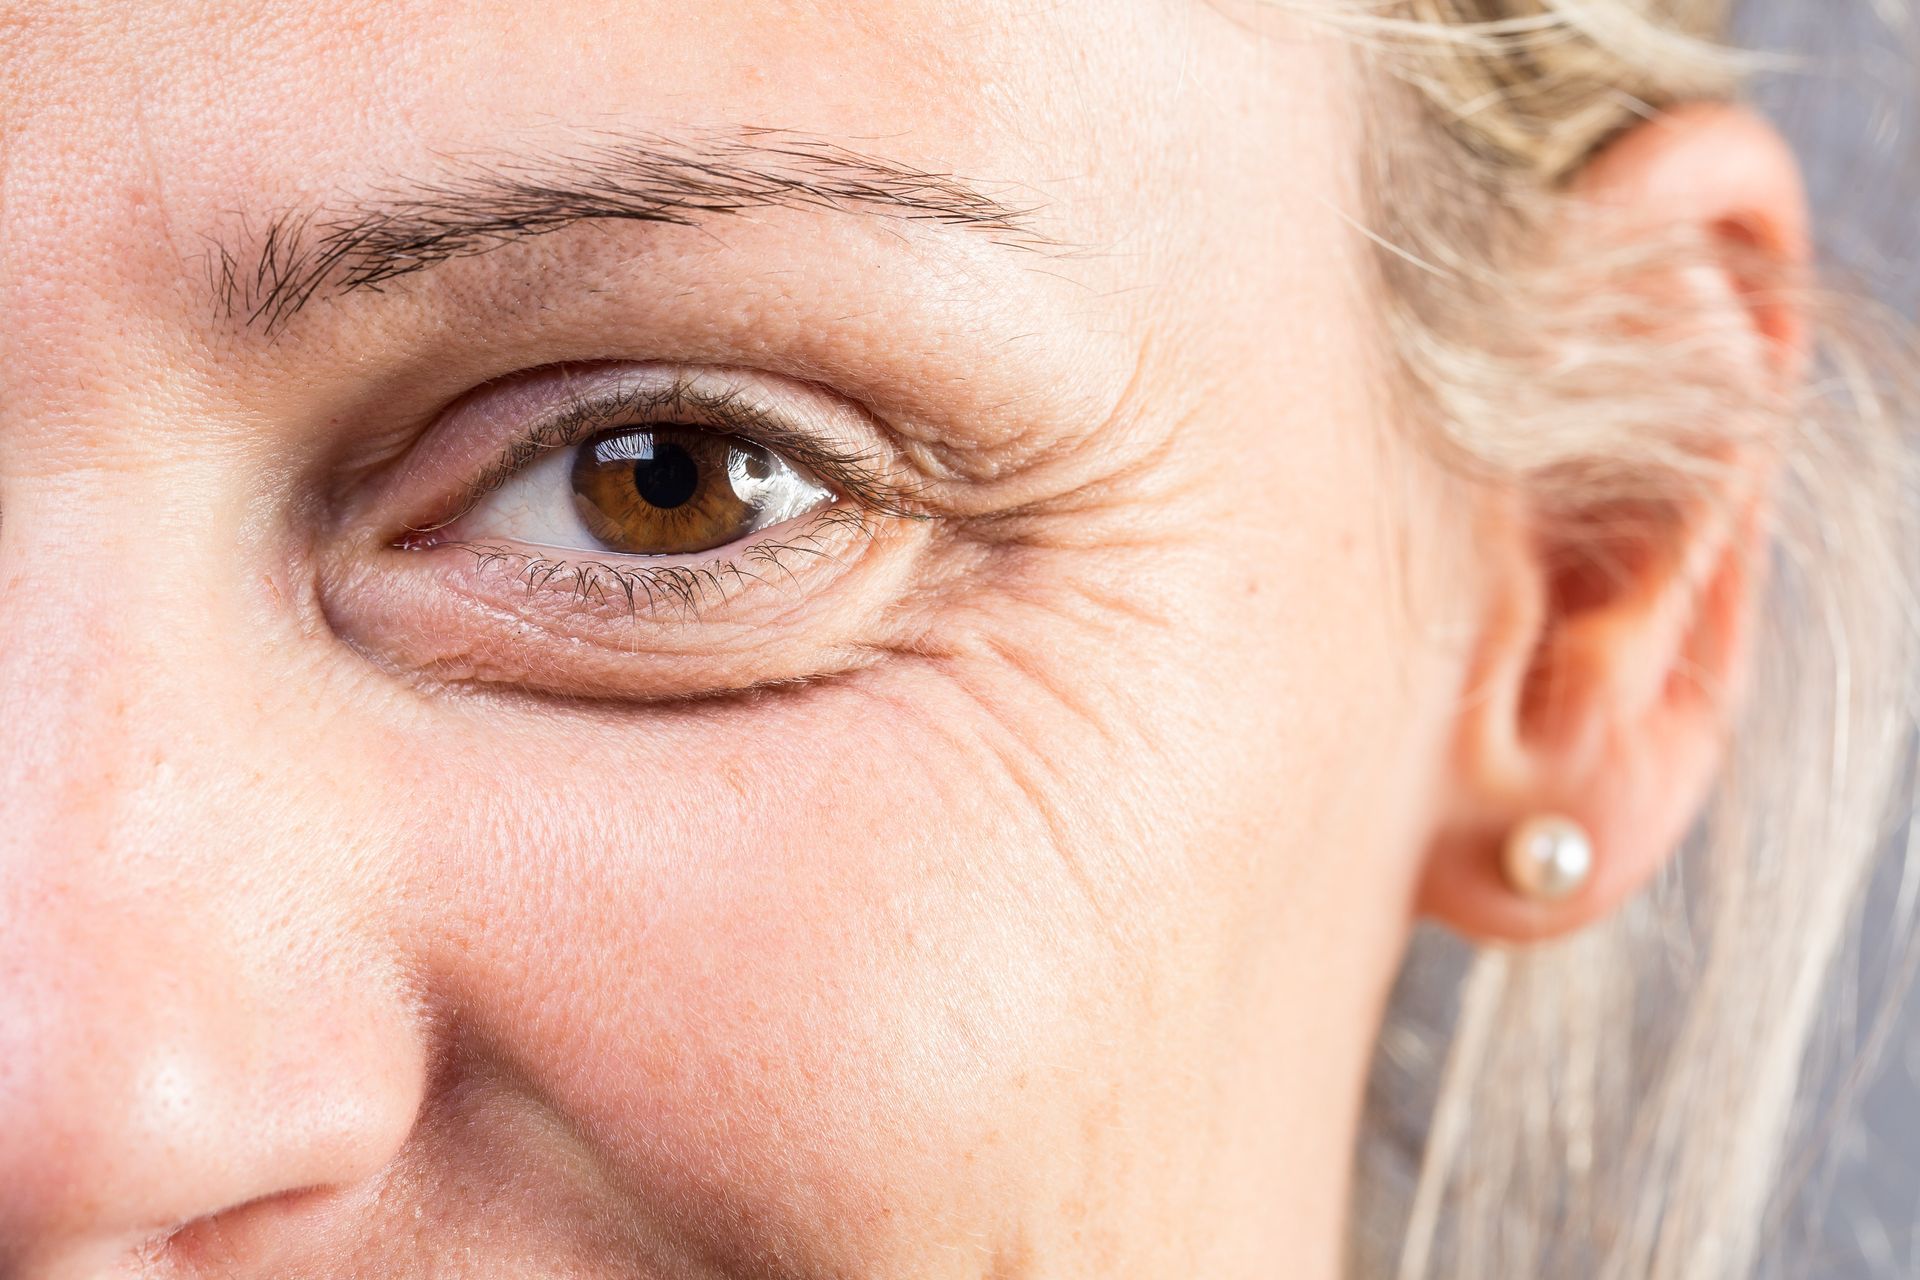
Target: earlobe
[{"x": 1612, "y": 652}]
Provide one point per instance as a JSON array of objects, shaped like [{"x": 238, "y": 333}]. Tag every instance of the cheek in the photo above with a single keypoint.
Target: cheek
[
  {"x": 911, "y": 951},
  {"x": 859, "y": 953}
]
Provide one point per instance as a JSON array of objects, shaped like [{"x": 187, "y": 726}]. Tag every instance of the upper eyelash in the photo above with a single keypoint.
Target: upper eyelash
[{"x": 865, "y": 477}]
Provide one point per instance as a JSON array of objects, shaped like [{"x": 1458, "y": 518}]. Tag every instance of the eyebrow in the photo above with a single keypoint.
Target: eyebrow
[{"x": 649, "y": 178}]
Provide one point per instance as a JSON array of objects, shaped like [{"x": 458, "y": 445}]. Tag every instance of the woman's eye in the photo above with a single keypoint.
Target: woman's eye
[{"x": 653, "y": 489}]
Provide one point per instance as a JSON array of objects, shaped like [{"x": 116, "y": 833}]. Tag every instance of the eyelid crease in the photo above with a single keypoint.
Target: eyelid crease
[{"x": 862, "y": 476}]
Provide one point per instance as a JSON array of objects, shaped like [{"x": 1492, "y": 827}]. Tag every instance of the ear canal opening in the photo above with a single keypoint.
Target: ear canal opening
[{"x": 1597, "y": 559}]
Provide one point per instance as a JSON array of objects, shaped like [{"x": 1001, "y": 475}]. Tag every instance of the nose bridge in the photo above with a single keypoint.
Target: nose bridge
[
  {"x": 100, "y": 701},
  {"x": 187, "y": 1021},
  {"x": 66, "y": 674}
]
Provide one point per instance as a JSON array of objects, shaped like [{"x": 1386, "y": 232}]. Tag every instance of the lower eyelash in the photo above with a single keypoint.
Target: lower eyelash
[{"x": 685, "y": 588}]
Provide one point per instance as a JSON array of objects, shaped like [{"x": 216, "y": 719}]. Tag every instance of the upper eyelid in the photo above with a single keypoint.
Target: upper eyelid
[{"x": 865, "y": 476}]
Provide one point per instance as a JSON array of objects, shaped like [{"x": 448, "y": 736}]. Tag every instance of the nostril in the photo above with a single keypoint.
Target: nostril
[{"x": 216, "y": 1243}]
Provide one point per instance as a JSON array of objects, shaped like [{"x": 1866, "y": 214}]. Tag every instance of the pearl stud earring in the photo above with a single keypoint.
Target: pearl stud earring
[{"x": 1548, "y": 859}]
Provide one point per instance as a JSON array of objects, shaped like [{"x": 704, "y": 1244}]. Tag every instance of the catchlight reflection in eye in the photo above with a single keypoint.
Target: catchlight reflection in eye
[{"x": 648, "y": 490}]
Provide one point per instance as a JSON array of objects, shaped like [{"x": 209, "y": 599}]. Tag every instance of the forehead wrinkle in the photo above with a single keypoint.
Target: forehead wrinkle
[{"x": 641, "y": 177}]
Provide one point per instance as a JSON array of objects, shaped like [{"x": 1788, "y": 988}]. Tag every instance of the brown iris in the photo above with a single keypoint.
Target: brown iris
[{"x": 669, "y": 490}]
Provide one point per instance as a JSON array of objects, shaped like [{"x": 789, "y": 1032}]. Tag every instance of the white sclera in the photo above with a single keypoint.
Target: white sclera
[{"x": 535, "y": 507}]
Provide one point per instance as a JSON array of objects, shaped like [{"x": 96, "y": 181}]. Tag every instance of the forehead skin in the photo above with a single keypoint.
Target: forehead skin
[{"x": 1047, "y": 948}]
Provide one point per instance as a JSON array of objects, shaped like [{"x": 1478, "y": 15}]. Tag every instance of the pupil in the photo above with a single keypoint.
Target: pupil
[{"x": 668, "y": 479}]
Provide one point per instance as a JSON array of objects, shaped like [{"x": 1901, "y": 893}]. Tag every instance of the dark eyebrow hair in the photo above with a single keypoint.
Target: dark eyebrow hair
[{"x": 627, "y": 177}]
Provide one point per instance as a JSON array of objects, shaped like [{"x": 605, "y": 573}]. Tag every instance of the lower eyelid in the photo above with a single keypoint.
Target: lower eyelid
[
  {"x": 683, "y": 583},
  {"x": 468, "y": 619}
]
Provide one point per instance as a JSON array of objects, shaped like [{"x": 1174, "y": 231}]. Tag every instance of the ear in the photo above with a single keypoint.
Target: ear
[{"x": 1611, "y": 652}]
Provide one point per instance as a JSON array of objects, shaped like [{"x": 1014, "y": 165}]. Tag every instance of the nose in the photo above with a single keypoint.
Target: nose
[{"x": 192, "y": 1023}]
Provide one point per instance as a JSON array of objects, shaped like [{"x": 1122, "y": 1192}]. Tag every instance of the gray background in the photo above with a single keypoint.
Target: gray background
[{"x": 1853, "y": 112}]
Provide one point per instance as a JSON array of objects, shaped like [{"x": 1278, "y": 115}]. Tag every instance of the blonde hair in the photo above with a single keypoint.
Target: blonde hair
[{"x": 1621, "y": 1106}]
